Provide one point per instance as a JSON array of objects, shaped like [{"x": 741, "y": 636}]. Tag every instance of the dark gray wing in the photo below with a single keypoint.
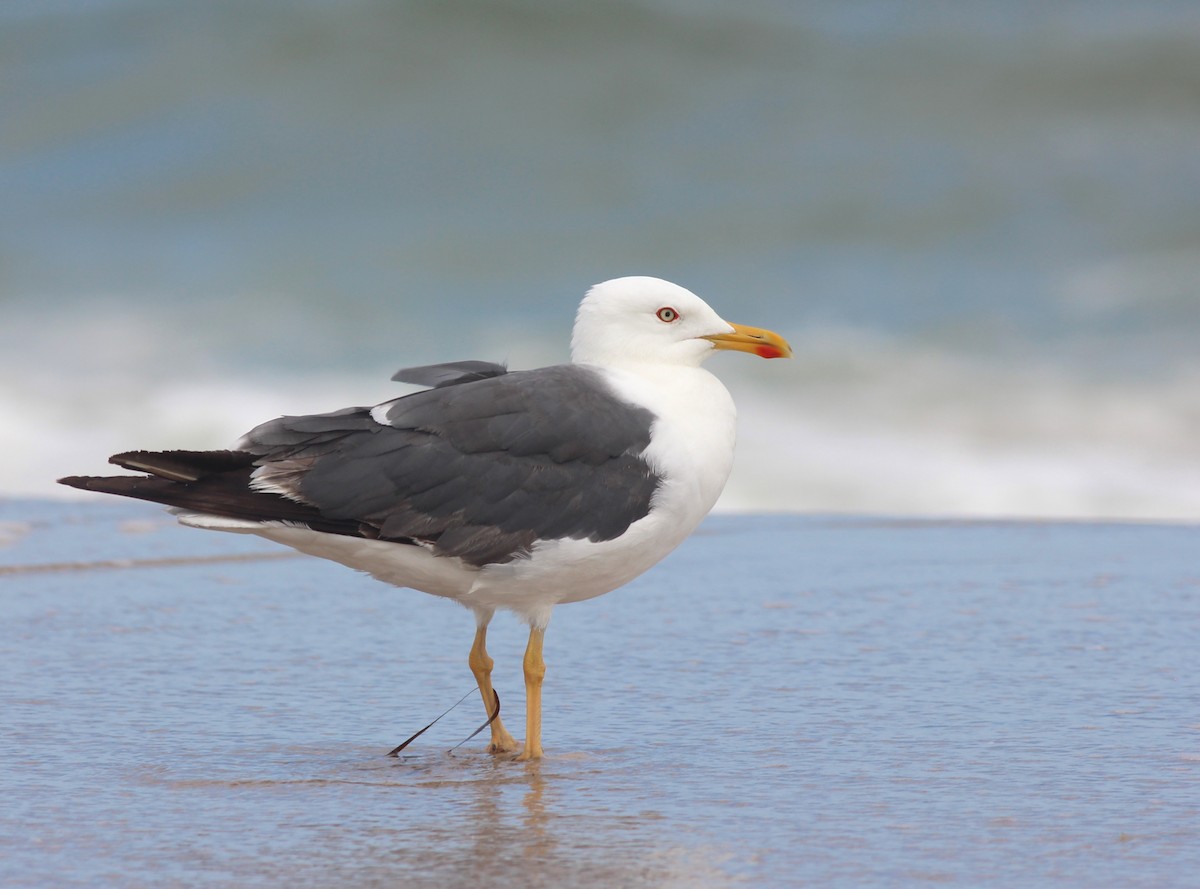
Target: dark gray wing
[
  {"x": 449, "y": 374},
  {"x": 482, "y": 470}
]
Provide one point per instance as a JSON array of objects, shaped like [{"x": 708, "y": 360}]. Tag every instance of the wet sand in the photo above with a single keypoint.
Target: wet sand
[{"x": 787, "y": 700}]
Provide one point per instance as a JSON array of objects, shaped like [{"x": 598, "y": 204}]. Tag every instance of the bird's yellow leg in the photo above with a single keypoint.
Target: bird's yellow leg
[
  {"x": 481, "y": 666},
  {"x": 535, "y": 671}
]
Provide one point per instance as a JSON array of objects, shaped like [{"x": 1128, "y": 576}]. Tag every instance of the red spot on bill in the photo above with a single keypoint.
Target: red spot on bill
[{"x": 765, "y": 351}]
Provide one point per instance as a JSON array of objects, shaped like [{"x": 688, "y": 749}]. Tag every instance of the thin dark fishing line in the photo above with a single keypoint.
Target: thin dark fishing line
[
  {"x": 495, "y": 715},
  {"x": 396, "y": 751}
]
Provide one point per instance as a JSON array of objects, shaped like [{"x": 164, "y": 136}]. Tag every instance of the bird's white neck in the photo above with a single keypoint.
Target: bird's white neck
[{"x": 695, "y": 432}]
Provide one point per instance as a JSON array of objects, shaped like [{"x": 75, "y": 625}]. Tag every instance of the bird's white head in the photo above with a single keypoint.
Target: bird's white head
[{"x": 640, "y": 320}]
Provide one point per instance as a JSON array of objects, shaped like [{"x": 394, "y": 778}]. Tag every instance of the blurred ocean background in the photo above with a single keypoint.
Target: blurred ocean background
[{"x": 979, "y": 225}]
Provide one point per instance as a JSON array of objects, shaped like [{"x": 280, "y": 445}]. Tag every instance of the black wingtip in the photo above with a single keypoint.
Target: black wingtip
[
  {"x": 164, "y": 464},
  {"x": 182, "y": 466},
  {"x": 75, "y": 481},
  {"x": 125, "y": 456}
]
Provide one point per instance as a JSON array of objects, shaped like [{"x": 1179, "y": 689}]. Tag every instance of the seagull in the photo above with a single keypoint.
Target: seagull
[{"x": 517, "y": 490}]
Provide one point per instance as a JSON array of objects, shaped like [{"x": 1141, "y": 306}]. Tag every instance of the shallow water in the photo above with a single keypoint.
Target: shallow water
[{"x": 786, "y": 701}]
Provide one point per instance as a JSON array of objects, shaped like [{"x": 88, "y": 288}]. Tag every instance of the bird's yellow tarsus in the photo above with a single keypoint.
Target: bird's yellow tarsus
[
  {"x": 481, "y": 666},
  {"x": 535, "y": 672}
]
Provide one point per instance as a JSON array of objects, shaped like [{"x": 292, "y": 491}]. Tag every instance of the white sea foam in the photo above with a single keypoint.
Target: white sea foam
[
  {"x": 855, "y": 424},
  {"x": 920, "y": 432}
]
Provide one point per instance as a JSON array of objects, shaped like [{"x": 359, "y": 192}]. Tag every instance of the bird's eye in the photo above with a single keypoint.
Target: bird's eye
[{"x": 667, "y": 314}]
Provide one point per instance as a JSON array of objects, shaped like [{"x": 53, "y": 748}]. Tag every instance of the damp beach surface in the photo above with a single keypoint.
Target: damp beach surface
[{"x": 787, "y": 700}]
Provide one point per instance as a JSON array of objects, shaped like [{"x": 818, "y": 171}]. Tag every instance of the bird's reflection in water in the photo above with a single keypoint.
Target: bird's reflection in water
[
  {"x": 539, "y": 841},
  {"x": 540, "y": 823},
  {"x": 515, "y": 835}
]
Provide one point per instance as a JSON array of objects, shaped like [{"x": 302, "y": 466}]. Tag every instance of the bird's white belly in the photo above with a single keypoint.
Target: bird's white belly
[{"x": 558, "y": 571}]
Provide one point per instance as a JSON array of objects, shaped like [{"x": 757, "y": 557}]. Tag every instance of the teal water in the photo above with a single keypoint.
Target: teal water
[
  {"x": 978, "y": 224},
  {"x": 785, "y": 701}
]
